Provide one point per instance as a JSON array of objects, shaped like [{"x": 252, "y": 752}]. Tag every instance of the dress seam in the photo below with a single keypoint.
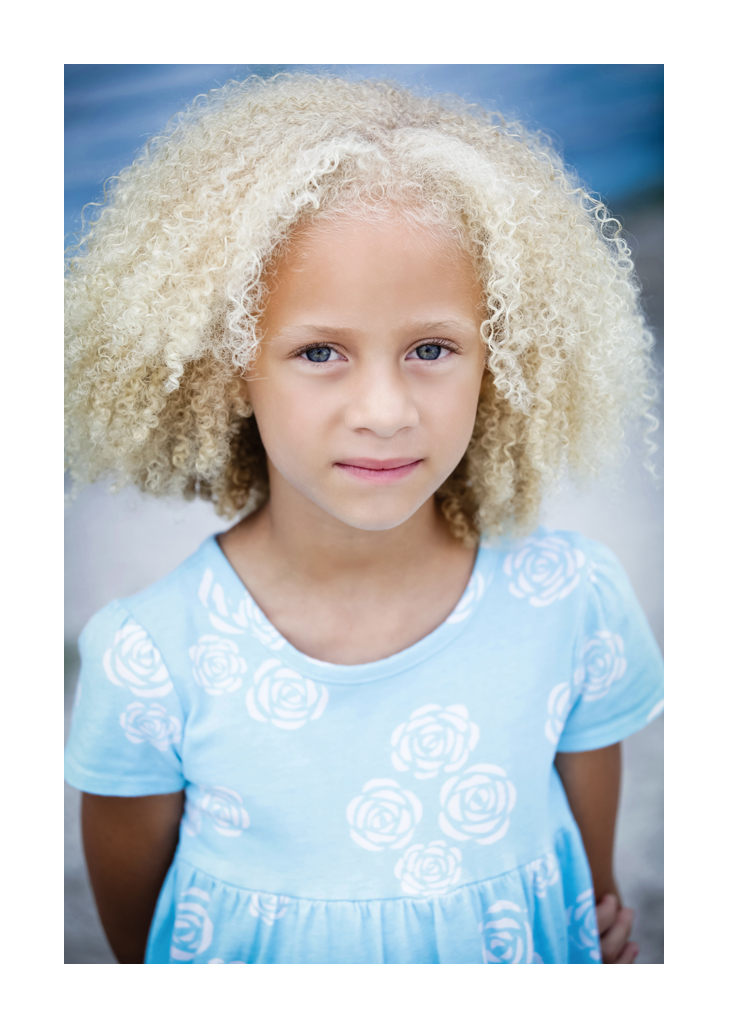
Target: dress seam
[
  {"x": 132, "y": 615},
  {"x": 375, "y": 899},
  {"x": 74, "y": 768},
  {"x": 337, "y": 681},
  {"x": 625, "y": 726}
]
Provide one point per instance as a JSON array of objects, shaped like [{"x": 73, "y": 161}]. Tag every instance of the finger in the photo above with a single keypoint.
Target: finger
[
  {"x": 628, "y": 953},
  {"x": 607, "y": 912},
  {"x": 613, "y": 941}
]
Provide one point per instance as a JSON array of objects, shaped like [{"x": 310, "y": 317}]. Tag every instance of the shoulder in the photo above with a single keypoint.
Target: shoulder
[
  {"x": 169, "y": 598},
  {"x": 562, "y": 541},
  {"x": 588, "y": 581},
  {"x": 549, "y": 565}
]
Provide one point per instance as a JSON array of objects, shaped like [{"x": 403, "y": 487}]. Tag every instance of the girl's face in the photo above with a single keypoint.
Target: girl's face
[{"x": 366, "y": 386}]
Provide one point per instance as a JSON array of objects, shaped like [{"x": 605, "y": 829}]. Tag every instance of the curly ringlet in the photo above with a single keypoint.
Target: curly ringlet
[{"x": 166, "y": 286}]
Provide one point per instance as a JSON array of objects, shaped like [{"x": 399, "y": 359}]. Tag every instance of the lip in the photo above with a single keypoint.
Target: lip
[
  {"x": 381, "y": 471},
  {"x": 379, "y": 463}
]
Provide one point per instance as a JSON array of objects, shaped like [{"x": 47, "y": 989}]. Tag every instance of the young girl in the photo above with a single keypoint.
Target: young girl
[{"x": 378, "y": 719}]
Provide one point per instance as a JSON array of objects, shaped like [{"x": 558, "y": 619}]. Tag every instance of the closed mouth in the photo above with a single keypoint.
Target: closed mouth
[
  {"x": 377, "y": 464},
  {"x": 379, "y": 471}
]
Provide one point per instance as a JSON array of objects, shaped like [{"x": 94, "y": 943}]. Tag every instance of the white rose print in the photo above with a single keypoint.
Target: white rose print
[
  {"x": 384, "y": 815},
  {"x": 602, "y": 663},
  {"x": 545, "y": 872},
  {"x": 133, "y": 662},
  {"x": 221, "y": 616},
  {"x": 558, "y": 709},
  {"x": 434, "y": 739},
  {"x": 193, "y": 928},
  {"x": 582, "y": 924},
  {"x": 507, "y": 936},
  {"x": 217, "y": 665},
  {"x": 476, "y": 804},
  {"x": 543, "y": 570},
  {"x": 220, "y": 960},
  {"x": 267, "y": 907},
  {"x": 429, "y": 870},
  {"x": 150, "y": 723},
  {"x": 224, "y": 807},
  {"x": 472, "y": 595},
  {"x": 283, "y": 697},
  {"x": 260, "y": 626},
  {"x": 247, "y": 615}
]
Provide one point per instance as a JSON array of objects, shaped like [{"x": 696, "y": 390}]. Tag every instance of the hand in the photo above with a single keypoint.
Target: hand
[{"x": 614, "y": 924}]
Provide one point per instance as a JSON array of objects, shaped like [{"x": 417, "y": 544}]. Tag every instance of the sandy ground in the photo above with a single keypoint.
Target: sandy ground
[{"x": 116, "y": 545}]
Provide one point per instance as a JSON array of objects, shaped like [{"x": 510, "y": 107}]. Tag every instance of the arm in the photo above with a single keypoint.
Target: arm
[
  {"x": 129, "y": 844},
  {"x": 592, "y": 783}
]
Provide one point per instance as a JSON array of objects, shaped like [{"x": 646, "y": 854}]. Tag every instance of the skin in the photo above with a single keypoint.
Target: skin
[
  {"x": 592, "y": 783},
  {"x": 366, "y": 296},
  {"x": 129, "y": 845},
  {"x": 375, "y": 292}
]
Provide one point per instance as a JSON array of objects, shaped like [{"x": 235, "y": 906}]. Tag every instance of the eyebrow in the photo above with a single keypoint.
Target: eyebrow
[
  {"x": 307, "y": 328},
  {"x": 335, "y": 331},
  {"x": 448, "y": 324}
]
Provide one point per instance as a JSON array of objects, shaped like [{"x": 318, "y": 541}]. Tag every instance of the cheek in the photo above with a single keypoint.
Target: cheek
[
  {"x": 450, "y": 411},
  {"x": 290, "y": 421}
]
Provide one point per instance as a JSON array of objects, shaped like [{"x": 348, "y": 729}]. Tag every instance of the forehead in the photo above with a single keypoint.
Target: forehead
[
  {"x": 381, "y": 265},
  {"x": 381, "y": 229}
]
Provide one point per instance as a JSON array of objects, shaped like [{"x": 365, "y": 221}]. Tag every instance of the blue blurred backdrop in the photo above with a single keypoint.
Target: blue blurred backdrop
[{"x": 606, "y": 119}]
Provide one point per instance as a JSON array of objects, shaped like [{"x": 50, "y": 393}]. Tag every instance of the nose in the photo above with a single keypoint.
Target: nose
[{"x": 381, "y": 402}]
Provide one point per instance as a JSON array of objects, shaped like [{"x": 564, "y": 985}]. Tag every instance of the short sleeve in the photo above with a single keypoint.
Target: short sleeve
[
  {"x": 617, "y": 678},
  {"x": 127, "y": 722}
]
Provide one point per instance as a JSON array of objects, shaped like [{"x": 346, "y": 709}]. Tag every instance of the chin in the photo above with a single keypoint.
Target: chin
[{"x": 381, "y": 520}]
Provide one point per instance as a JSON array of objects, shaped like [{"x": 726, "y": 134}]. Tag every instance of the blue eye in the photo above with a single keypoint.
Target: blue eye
[
  {"x": 428, "y": 351},
  {"x": 318, "y": 354}
]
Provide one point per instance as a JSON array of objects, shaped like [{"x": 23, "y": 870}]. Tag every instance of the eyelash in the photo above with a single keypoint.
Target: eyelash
[{"x": 446, "y": 344}]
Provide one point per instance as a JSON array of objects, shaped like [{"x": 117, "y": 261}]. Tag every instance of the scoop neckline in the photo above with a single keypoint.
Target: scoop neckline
[{"x": 472, "y": 600}]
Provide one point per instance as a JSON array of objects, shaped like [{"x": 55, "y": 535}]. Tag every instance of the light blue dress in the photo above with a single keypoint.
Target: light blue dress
[{"x": 401, "y": 811}]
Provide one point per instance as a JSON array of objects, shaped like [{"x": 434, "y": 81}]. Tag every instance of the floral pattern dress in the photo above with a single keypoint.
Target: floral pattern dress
[{"x": 402, "y": 811}]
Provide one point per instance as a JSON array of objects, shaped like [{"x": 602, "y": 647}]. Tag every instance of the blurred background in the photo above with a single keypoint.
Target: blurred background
[{"x": 607, "y": 121}]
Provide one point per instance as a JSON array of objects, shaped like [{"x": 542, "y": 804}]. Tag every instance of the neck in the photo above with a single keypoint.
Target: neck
[
  {"x": 309, "y": 544},
  {"x": 342, "y": 594}
]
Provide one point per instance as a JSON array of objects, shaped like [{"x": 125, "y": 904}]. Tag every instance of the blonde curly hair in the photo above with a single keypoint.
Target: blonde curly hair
[{"x": 166, "y": 286}]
